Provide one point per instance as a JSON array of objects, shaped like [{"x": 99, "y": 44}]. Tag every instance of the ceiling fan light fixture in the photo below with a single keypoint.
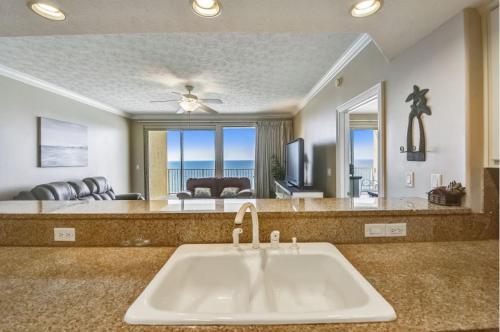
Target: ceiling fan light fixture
[
  {"x": 206, "y": 8},
  {"x": 366, "y": 8},
  {"x": 189, "y": 105},
  {"x": 47, "y": 11}
]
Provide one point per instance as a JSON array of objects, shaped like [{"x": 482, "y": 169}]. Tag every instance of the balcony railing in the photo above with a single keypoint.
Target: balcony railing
[
  {"x": 368, "y": 180},
  {"x": 177, "y": 180}
]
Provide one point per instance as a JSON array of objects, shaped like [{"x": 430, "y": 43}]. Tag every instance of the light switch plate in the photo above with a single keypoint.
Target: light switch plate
[
  {"x": 375, "y": 230},
  {"x": 64, "y": 234},
  {"x": 410, "y": 179},
  {"x": 395, "y": 229},
  {"x": 436, "y": 180}
]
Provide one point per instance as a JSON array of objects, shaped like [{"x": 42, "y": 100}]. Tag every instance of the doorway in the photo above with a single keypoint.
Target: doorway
[{"x": 360, "y": 145}]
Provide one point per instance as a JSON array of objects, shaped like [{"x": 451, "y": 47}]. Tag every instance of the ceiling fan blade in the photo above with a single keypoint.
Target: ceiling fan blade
[
  {"x": 207, "y": 109},
  {"x": 164, "y": 101},
  {"x": 211, "y": 101}
]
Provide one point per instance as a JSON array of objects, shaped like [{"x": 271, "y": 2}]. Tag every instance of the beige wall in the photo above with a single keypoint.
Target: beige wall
[
  {"x": 440, "y": 63},
  {"x": 316, "y": 123},
  {"x": 158, "y": 175},
  {"x": 21, "y": 104}
]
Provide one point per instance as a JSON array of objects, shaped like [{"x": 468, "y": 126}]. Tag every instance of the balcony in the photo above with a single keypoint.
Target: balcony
[
  {"x": 177, "y": 180},
  {"x": 368, "y": 182}
]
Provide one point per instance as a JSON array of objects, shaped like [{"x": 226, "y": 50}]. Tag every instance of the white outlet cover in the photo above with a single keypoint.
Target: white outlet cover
[
  {"x": 375, "y": 230},
  {"x": 64, "y": 234},
  {"x": 410, "y": 179},
  {"x": 395, "y": 229},
  {"x": 436, "y": 180}
]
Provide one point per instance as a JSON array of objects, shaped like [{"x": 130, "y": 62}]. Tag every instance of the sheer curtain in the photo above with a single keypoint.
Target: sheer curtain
[{"x": 272, "y": 135}]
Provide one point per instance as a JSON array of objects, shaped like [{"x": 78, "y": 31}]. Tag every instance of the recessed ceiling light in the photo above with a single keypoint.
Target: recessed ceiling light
[
  {"x": 366, "y": 8},
  {"x": 48, "y": 11},
  {"x": 206, "y": 8}
]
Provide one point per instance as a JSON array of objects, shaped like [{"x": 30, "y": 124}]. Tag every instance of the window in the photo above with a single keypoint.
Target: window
[
  {"x": 175, "y": 155},
  {"x": 239, "y": 152},
  {"x": 190, "y": 154}
]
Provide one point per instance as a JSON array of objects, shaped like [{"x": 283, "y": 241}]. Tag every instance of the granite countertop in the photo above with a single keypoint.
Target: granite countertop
[
  {"x": 434, "y": 286},
  {"x": 309, "y": 206}
]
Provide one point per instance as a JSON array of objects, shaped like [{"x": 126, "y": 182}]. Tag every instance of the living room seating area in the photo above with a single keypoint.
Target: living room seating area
[
  {"x": 93, "y": 188},
  {"x": 226, "y": 187}
]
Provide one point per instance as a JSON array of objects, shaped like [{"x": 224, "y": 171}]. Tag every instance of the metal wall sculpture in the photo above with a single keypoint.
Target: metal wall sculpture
[{"x": 418, "y": 107}]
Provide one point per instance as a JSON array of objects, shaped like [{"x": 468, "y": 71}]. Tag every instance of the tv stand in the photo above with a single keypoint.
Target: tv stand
[{"x": 284, "y": 191}]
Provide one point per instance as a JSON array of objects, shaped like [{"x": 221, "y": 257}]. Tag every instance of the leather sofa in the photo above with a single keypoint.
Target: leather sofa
[
  {"x": 94, "y": 188},
  {"x": 216, "y": 186}
]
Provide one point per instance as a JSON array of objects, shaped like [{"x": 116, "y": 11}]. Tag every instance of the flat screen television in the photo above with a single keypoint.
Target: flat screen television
[{"x": 295, "y": 163}]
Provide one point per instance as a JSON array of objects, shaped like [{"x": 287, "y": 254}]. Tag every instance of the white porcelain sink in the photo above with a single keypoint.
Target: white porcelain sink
[{"x": 221, "y": 284}]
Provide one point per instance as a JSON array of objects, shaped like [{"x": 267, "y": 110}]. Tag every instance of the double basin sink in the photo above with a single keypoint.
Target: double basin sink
[{"x": 220, "y": 284}]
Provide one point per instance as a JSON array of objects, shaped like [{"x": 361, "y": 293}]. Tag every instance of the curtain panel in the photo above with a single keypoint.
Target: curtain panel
[{"x": 272, "y": 135}]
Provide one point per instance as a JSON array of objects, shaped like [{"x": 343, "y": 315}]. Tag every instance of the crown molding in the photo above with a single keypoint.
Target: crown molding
[
  {"x": 44, "y": 85},
  {"x": 210, "y": 117},
  {"x": 356, "y": 47}
]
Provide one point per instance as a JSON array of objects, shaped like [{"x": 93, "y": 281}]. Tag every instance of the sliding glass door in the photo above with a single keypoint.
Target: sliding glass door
[
  {"x": 239, "y": 152},
  {"x": 190, "y": 154},
  {"x": 177, "y": 154}
]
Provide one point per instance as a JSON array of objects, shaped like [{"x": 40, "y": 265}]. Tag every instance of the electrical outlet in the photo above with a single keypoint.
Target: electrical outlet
[
  {"x": 375, "y": 230},
  {"x": 64, "y": 234},
  {"x": 395, "y": 229},
  {"x": 329, "y": 171},
  {"x": 410, "y": 179},
  {"x": 436, "y": 180}
]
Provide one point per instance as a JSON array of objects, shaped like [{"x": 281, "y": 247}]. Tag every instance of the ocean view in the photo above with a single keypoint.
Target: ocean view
[
  {"x": 363, "y": 163},
  {"x": 210, "y": 164}
]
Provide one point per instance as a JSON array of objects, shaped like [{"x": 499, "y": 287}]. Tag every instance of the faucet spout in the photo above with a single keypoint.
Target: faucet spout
[{"x": 255, "y": 221}]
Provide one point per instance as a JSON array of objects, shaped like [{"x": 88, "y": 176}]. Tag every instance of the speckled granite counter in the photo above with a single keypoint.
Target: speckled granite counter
[
  {"x": 309, "y": 206},
  {"x": 441, "y": 286},
  {"x": 172, "y": 223}
]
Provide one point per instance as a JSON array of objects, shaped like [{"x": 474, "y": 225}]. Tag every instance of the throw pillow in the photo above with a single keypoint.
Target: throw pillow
[
  {"x": 202, "y": 192},
  {"x": 229, "y": 192}
]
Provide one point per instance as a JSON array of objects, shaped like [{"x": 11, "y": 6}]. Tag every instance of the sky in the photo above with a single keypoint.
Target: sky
[
  {"x": 363, "y": 144},
  {"x": 60, "y": 133},
  {"x": 239, "y": 144}
]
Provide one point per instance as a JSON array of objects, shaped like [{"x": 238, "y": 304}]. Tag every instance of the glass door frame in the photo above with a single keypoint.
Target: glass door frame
[{"x": 193, "y": 125}]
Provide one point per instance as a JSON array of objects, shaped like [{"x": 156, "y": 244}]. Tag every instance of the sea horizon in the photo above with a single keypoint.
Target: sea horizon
[{"x": 210, "y": 164}]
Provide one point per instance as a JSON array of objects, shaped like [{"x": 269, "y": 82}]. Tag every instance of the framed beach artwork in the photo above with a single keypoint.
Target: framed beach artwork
[{"x": 62, "y": 144}]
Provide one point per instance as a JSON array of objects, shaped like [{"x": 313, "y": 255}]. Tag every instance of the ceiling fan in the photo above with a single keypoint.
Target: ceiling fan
[{"x": 189, "y": 102}]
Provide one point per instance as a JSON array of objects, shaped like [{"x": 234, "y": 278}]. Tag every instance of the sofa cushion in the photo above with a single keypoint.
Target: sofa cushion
[
  {"x": 229, "y": 192},
  {"x": 62, "y": 191},
  {"x": 81, "y": 189},
  {"x": 98, "y": 184},
  {"x": 42, "y": 194},
  {"x": 240, "y": 183},
  {"x": 191, "y": 184},
  {"x": 202, "y": 192}
]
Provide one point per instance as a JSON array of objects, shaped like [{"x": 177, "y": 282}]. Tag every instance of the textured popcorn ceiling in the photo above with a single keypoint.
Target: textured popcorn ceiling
[{"x": 250, "y": 72}]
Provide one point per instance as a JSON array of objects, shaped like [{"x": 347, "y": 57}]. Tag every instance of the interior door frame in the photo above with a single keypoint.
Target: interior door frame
[{"x": 343, "y": 138}]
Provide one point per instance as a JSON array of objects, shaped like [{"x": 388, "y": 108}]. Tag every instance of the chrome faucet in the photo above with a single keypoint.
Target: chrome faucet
[{"x": 255, "y": 221}]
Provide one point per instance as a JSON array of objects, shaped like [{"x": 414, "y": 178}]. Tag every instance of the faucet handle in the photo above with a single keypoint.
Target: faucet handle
[
  {"x": 236, "y": 236},
  {"x": 275, "y": 239}
]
